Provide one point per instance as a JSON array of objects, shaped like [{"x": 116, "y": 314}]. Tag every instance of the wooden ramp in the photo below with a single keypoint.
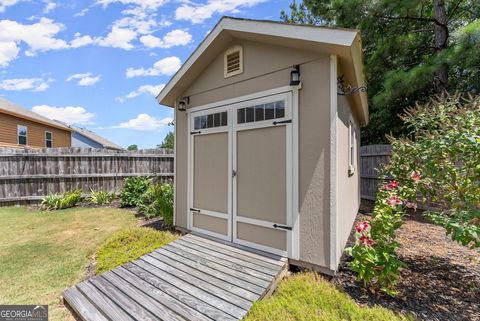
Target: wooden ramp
[{"x": 193, "y": 278}]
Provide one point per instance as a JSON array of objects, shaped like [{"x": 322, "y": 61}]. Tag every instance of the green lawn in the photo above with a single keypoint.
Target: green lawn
[
  {"x": 42, "y": 253},
  {"x": 307, "y": 296}
]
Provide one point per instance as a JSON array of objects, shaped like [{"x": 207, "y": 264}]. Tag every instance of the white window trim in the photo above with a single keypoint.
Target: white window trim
[
  {"x": 51, "y": 138},
  {"x": 228, "y": 52},
  {"x": 26, "y": 135}
]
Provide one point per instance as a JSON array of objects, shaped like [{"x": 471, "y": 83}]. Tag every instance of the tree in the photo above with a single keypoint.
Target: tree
[
  {"x": 132, "y": 147},
  {"x": 168, "y": 141},
  {"x": 412, "y": 50}
]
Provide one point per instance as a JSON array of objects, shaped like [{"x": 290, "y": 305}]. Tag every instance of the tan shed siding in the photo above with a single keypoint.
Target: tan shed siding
[
  {"x": 348, "y": 187},
  {"x": 268, "y": 67},
  {"x": 210, "y": 223},
  {"x": 262, "y": 235},
  {"x": 35, "y": 132}
]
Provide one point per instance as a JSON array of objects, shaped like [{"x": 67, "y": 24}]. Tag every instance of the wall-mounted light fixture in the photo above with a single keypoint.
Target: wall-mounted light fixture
[
  {"x": 295, "y": 75},
  {"x": 183, "y": 103},
  {"x": 345, "y": 89}
]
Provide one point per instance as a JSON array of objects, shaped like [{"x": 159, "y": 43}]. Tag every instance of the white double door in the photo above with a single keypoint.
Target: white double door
[{"x": 240, "y": 172}]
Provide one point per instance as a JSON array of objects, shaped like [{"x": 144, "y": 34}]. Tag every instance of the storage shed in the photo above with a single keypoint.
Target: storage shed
[{"x": 267, "y": 119}]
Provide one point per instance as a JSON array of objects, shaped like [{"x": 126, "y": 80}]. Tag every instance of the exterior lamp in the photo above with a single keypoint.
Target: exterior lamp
[
  {"x": 182, "y": 104},
  {"x": 295, "y": 75}
]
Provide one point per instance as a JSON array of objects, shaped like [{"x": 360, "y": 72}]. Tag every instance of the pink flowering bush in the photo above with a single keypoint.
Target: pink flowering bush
[{"x": 439, "y": 161}]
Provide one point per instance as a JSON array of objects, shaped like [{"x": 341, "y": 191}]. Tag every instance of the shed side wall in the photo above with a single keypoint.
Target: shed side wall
[{"x": 268, "y": 67}]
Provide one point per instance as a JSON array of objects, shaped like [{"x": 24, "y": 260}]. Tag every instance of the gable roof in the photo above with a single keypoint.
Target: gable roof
[
  {"x": 7, "y": 107},
  {"x": 96, "y": 138},
  {"x": 344, "y": 43}
]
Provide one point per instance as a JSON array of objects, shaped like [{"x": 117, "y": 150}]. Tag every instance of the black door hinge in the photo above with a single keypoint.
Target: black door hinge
[
  {"x": 193, "y": 133},
  {"x": 282, "y": 227},
  {"x": 195, "y": 210},
  {"x": 288, "y": 121}
]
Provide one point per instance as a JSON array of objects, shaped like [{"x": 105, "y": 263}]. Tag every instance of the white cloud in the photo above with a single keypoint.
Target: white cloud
[
  {"x": 145, "y": 122},
  {"x": 33, "y": 84},
  {"x": 49, "y": 6},
  {"x": 197, "y": 13},
  {"x": 80, "y": 41},
  {"x": 8, "y": 52},
  {"x": 82, "y": 12},
  {"x": 145, "y": 89},
  {"x": 86, "y": 79},
  {"x": 149, "y": 4},
  {"x": 166, "y": 66},
  {"x": 7, "y": 3},
  {"x": 177, "y": 37},
  {"x": 39, "y": 36},
  {"x": 118, "y": 38},
  {"x": 67, "y": 114}
]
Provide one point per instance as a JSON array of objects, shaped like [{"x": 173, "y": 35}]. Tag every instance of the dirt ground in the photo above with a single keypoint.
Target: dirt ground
[{"x": 442, "y": 281}]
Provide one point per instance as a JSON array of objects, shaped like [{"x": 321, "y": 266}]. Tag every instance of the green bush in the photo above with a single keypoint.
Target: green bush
[
  {"x": 158, "y": 201},
  {"x": 130, "y": 244},
  {"x": 100, "y": 197},
  {"x": 133, "y": 190},
  {"x": 60, "y": 201}
]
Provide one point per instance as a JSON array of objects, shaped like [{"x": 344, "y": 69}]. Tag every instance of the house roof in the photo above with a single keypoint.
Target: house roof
[
  {"x": 96, "y": 138},
  {"x": 344, "y": 43},
  {"x": 7, "y": 107}
]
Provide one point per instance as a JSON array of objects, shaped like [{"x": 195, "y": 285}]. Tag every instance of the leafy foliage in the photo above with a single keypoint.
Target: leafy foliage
[
  {"x": 133, "y": 190},
  {"x": 132, "y": 147},
  {"x": 100, "y": 197},
  {"x": 158, "y": 201},
  {"x": 60, "y": 201},
  {"x": 129, "y": 245},
  {"x": 403, "y": 57},
  {"x": 444, "y": 146},
  {"x": 168, "y": 141}
]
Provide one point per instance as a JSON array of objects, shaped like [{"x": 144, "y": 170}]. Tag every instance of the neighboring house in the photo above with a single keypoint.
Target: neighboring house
[
  {"x": 266, "y": 149},
  {"x": 82, "y": 137},
  {"x": 20, "y": 127}
]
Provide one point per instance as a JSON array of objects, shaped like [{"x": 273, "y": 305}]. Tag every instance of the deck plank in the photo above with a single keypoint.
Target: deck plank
[
  {"x": 192, "y": 278},
  {"x": 253, "y": 291},
  {"x": 230, "y": 258},
  {"x": 242, "y": 293},
  {"x": 232, "y": 251},
  {"x": 197, "y": 292},
  {"x": 82, "y": 306},
  {"x": 179, "y": 292},
  {"x": 230, "y": 270}
]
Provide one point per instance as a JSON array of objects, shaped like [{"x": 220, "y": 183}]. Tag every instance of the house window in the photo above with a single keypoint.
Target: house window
[
  {"x": 22, "y": 134},
  {"x": 352, "y": 148},
  {"x": 210, "y": 120},
  {"x": 48, "y": 139},
  {"x": 233, "y": 61},
  {"x": 261, "y": 112}
]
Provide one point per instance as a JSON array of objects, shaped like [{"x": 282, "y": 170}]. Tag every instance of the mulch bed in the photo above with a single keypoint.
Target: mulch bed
[{"x": 442, "y": 281}]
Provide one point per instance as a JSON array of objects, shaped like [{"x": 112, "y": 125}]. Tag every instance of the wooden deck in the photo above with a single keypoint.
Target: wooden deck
[{"x": 193, "y": 278}]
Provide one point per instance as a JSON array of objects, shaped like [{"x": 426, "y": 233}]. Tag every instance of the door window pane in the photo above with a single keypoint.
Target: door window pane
[
  {"x": 203, "y": 122},
  {"x": 279, "y": 109},
  {"x": 259, "y": 113},
  {"x": 269, "y": 111},
  {"x": 210, "y": 121},
  {"x": 216, "y": 120},
  {"x": 250, "y": 115},
  {"x": 241, "y": 116},
  {"x": 224, "y": 118},
  {"x": 197, "y": 123}
]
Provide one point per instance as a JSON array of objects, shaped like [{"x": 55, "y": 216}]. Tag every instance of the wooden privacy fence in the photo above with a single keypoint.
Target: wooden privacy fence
[
  {"x": 28, "y": 175},
  {"x": 372, "y": 157}
]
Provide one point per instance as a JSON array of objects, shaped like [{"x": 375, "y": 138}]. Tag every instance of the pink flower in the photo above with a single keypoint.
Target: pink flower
[
  {"x": 391, "y": 185},
  {"x": 361, "y": 227},
  {"x": 394, "y": 201},
  {"x": 365, "y": 240},
  {"x": 416, "y": 176}
]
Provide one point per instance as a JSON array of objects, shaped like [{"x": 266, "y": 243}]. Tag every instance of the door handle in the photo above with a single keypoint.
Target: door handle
[
  {"x": 288, "y": 121},
  {"x": 234, "y": 173},
  {"x": 195, "y": 210},
  {"x": 282, "y": 227}
]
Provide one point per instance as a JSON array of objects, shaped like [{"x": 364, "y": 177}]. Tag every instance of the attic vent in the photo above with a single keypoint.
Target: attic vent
[{"x": 233, "y": 61}]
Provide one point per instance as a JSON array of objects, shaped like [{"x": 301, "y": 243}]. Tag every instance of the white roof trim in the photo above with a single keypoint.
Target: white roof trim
[{"x": 302, "y": 32}]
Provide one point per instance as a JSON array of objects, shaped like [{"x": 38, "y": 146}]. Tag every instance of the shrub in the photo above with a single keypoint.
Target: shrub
[
  {"x": 100, "y": 197},
  {"x": 60, "y": 201},
  {"x": 128, "y": 245},
  {"x": 133, "y": 190},
  {"x": 158, "y": 201}
]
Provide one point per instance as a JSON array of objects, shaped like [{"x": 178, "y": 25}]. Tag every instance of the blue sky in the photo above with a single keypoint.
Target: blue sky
[{"x": 98, "y": 63}]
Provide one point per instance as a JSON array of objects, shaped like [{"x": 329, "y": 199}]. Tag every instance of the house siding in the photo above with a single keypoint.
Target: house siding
[
  {"x": 36, "y": 133},
  {"x": 268, "y": 67}
]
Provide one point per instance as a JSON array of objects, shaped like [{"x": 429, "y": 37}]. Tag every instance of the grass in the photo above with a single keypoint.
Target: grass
[
  {"x": 128, "y": 245},
  {"x": 307, "y": 296},
  {"x": 42, "y": 253}
]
